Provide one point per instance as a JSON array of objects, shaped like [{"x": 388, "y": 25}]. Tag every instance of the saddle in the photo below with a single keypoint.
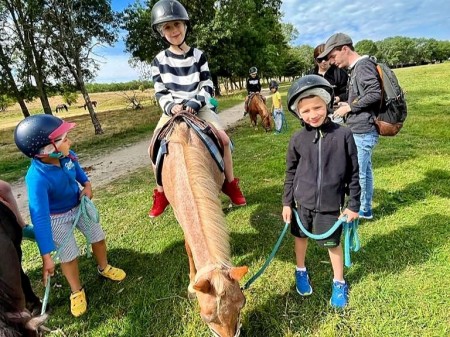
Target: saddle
[{"x": 205, "y": 131}]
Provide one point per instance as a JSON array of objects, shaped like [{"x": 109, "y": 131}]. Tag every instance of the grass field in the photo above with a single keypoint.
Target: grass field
[{"x": 400, "y": 279}]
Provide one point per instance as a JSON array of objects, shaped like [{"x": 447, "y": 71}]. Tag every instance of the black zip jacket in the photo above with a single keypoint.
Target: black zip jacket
[
  {"x": 253, "y": 84},
  {"x": 338, "y": 78},
  {"x": 321, "y": 166}
]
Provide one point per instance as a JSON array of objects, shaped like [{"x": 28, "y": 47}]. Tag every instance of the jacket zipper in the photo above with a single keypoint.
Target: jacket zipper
[{"x": 319, "y": 172}]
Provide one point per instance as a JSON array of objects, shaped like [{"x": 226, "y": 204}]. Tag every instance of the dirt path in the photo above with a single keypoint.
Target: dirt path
[{"x": 102, "y": 170}]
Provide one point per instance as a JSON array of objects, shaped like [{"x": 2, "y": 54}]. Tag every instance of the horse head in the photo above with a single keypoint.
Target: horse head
[{"x": 220, "y": 298}]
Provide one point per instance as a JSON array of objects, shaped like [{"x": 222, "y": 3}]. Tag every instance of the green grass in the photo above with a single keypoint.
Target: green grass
[{"x": 399, "y": 281}]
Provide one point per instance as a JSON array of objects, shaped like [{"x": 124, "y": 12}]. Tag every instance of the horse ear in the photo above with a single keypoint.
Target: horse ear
[
  {"x": 203, "y": 285},
  {"x": 236, "y": 273}
]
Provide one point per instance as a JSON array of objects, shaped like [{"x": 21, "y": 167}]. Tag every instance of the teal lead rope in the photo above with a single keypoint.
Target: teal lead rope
[
  {"x": 351, "y": 242},
  {"x": 269, "y": 259},
  {"x": 90, "y": 215},
  {"x": 351, "y": 239}
]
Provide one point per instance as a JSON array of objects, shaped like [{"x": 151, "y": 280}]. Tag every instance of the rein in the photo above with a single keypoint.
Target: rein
[
  {"x": 351, "y": 239},
  {"x": 351, "y": 242},
  {"x": 269, "y": 259}
]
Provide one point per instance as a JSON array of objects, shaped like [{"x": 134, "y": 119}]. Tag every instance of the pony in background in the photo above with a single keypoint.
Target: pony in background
[{"x": 257, "y": 106}]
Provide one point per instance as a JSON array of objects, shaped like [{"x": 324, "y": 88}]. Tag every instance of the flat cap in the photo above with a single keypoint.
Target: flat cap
[{"x": 335, "y": 40}]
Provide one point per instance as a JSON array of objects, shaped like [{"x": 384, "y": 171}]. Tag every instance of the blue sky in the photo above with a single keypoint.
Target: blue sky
[{"x": 317, "y": 20}]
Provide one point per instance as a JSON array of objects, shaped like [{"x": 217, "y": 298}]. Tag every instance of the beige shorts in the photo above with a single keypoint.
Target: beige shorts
[{"x": 205, "y": 113}]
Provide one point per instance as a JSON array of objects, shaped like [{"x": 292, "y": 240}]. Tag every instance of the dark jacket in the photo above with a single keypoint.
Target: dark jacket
[
  {"x": 253, "y": 84},
  {"x": 364, "y": 96},
  {"x": 338, "y": 78},
  {"x": 321, "y": 165}
]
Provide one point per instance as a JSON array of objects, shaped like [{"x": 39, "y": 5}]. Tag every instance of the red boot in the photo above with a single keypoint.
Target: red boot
[
  {"x": 160, "y": 203},
  {"x": 234, "y": 192}
]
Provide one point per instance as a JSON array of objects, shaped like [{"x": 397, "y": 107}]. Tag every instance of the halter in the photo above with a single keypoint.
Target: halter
[{"x": 207, "y": 269}]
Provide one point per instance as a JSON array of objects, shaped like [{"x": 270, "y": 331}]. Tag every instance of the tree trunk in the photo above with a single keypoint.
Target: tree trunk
[
  {"x": 97, "y": 126},
  {"x": 10, "y": 78}
]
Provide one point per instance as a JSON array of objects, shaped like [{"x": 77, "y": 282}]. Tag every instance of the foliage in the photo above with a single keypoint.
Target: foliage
[
  {"x": 119, "y": 86},
  {"x": 228, "y": 31},
  {"x": 5, "y": 102}
]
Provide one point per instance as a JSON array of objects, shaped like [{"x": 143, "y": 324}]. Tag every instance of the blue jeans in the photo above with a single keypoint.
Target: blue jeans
[{"x": 365, "y": 143}]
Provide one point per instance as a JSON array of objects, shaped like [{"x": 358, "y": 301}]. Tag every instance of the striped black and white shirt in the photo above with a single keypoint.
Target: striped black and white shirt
[{"x": 181, "y": 79}]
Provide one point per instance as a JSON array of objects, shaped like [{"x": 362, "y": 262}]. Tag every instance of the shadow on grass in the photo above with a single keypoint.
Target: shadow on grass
[
  {"x": 151, "y": 301},
  {"x": 392, "y": 252},
  {"x": 434, "y": 183}
]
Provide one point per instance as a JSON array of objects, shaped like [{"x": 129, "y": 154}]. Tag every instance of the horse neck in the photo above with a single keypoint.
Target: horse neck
[{"x": 195, "y": 198}]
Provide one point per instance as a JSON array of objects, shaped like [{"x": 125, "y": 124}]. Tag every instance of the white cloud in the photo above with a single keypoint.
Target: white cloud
[
  {"x": 362, "y": 19},
  {"x": 115, "y": 68}
]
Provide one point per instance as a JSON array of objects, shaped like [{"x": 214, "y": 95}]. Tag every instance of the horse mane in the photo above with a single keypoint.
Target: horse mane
[{"x": 199, "y": 165}]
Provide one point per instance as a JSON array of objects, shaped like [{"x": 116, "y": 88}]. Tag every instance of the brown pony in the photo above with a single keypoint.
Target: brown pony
[
  {"x": 257, "y": 106},
  {"x": 192, "y": 182}
]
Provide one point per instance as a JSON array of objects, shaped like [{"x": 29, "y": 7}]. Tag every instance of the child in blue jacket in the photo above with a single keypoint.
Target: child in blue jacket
[{"x": 54, "y": 196}]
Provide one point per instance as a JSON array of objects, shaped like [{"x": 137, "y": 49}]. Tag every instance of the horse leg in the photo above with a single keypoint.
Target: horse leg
[{"x": 192, "y": 272}]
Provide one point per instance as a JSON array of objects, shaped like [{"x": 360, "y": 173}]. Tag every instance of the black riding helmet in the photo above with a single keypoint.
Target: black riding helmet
[
  {"x": 273, "y": 84},
  {"x": 169, "y": 10},
  {"x": 304, "y": 83},
  {"x": 37, "y": 131}
]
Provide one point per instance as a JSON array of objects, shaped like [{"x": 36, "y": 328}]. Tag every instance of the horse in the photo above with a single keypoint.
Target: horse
[
  {"x": 257, "y": 106},
  {"x": 94, "y": 104},
  {"x": 60, "y": 107},
  {"x": 192, "y": 183},
  {"x": 15, "y": 286}
]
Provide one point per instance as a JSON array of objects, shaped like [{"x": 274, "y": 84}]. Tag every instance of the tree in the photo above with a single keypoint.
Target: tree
[
  {"x": 74, "y": 28},
  {"x": 26, "y": 20},
  {"x": 234, "y": 34},
  {"x": 366, "y": 47}
]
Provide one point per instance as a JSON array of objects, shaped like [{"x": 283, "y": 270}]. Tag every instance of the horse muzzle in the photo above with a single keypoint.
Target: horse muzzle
[{"x": 236, "y": 334}]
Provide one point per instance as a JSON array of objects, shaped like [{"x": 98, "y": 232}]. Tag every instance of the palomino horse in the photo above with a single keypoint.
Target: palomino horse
[
  {"x": 192, "y": 182},
  {"x": 257, "y": 106}
]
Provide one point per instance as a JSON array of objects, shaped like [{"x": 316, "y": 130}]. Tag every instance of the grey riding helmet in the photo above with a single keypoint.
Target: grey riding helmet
[
  {"x": 305, "y": 83},
  {"x": 168, "y": 10}
]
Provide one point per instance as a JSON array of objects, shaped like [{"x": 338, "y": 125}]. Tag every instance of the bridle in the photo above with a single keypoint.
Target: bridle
[{"x": 210, "y": 268}]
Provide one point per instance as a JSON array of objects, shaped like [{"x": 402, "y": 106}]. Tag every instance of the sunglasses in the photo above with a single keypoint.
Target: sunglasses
[{"x": 319, "y": 60}]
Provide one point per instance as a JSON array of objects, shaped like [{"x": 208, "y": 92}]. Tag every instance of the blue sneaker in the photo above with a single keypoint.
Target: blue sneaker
[
  {"x": 339, "y": 296},
  {"x": 302, "y": 284},
  {"x": 365, "y": 214}
]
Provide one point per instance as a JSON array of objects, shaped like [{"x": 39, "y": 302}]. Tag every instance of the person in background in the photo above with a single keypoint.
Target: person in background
[
  {"x": 172, "y": 69},
  {"x": 321, "y": 164},
  {"x": 364, "y": 100},
  {"x": 337, "y": 77},
  {"x": 253, "y": 85},
  {"x": 277, "y": 107}
]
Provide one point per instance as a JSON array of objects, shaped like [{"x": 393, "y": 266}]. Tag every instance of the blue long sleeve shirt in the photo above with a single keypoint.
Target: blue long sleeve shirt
[{"x": 52, "y": 190}]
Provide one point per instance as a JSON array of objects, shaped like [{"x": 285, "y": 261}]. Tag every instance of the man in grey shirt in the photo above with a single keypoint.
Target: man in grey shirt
[{"x": 364, "y": 99}]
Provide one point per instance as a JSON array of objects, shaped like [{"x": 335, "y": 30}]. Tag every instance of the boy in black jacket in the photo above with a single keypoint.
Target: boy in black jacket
[{"x": 322, "y": 164}]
